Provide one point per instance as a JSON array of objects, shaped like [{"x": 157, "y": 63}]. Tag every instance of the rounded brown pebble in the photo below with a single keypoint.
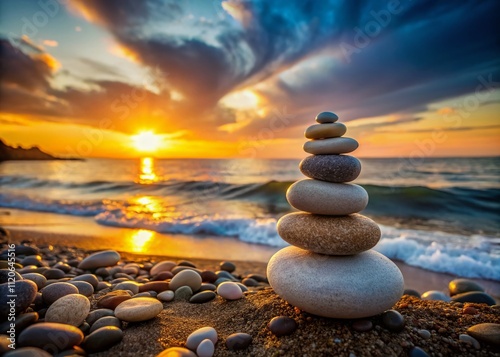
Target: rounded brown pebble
[
  {"x": 250, "y": 282},
  {"x": 324, "y": 131},
  {"x": 157, "y": 286},
  {"x": 486, "y": 332},
  {"x": 331, "y": 168},
  {"x": 282, "y": 326},
  {"x": 209, "y": 276},
  {"x": 112, "y": 299},
  {"x": 362, "y": 325},
  {"x": 393, "y": 321},
  {"x": 469, "y": 310},
  {"x": 339, "y": 235},
  {"x": 238, "y": 341}
]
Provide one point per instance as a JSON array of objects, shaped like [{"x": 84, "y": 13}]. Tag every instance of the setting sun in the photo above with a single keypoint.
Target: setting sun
[{"x": 147, "y": 141}]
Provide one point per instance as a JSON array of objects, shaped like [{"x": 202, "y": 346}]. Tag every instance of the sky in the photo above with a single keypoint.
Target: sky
[{"x": 245, "y": 78}]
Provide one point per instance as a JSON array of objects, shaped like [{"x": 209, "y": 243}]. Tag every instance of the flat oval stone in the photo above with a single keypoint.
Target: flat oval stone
[
  {"x": 102, "y": 339},
  {"x": 349, "y": 287},
  {"x": 89, "y": 278},
  {"x": 282, "y": 326},
  {"x": 128, "y": 285},
  {"x": 333, "y": 199},
  {"x": 238, "y": 341},
  {"x": 106, "y": 321},
  {"x": 227, "y": 266},
  {"x": 331, "y": 146},
  {"x": 167, "y": 295},
  {"x": 327, "y": 117},
  {"x": 26, "y": 292},
  {"x": 55, "y": 291},
  {"x": 393, "y": 321},
  {"x": 470, "y": 340},
  {"x": 43, "y": 335},
  {"x": 325, "y": 131},
  {"x": 84, "y": 288},
  {"x": 112, "y": 299},
  {"x": 195, "y": 338},
  {"x": 230, "y": 291},
  {"x": 331, "y": 168},
  {"x": 205, "y": 349},
  {"x": 412, "y": 292},
  {"x": 139, "y": 309},
  {"x": 186, "y": 277},
  {"x": 53, "y": 274},
  {"x": 459, "y": 286},
  {"x": 22, "y": 321},
  {"x": 337, "y": 235},
  {"x": 70, "y": 309},
  {"x": 435, "y": 295},
  {"x": 157, "y": 286},
  {"x": 27, "y": 352},
  {"x": 177, "y": 352},
  {"x": 101, "y": 259},
  {"x": 202, "y": 297},
  {"x": 477, "y": 297},
  {"x": 486, "y": 332},
  {"x": 165, "y": 265},
  {"x": 95, "y": 315},
  {"x": 208, "y": 276},
  {"x": 37, "y": 278}
]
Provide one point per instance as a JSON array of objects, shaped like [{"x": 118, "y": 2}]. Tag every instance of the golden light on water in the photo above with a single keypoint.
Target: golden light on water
[
  {"x": 147, "y": 174},
  {"x": 139, "y": 240}
]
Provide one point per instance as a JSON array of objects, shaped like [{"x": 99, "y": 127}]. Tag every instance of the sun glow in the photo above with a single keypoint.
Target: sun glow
[{"x": 147, "y": 141}]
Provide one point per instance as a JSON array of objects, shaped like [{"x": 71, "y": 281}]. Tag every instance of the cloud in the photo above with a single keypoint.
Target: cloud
[
  {"x": 101, "y": 67},
  {"x": 50, "y": 43}
]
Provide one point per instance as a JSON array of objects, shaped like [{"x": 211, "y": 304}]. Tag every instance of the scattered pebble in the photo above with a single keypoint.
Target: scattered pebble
[
  {"x": 183, "y": 293},
  {"x": 459, "y": 286},
  {"x": 167, "y": 295},
  {"x": 424, "y": 334},
  {"x": 227, "y": 266},
  {"x": 206, "y": 348},
  {"x": 282, "y": 326},
  {"x": 43, "y": 334},
  {"x": 100, "y": 259},
  {"x": 70, "y": 309},
  {"x": 435, "y": 295},
  {"x": 195, "y": 338},
  {"x": 102, "y": 339},
  {"x": 469, "y": 339},
  {"x": 486, "y": 332},
  {"x": 476, "y": 297},
  {"x": 393, "y": 321},
  {"x": 238, "y": 341},
  {"x": 362, "y": 325},
  {"x": 230, "y": 291},
  {"x": 140, "y": 309},
  {"x": 186, "y": 278},
  {"x": 202, "y": 297},
  {"x": 417, "y": 352}
]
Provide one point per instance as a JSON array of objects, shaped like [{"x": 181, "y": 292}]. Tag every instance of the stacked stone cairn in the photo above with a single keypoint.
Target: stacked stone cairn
[{"x": 330, "y": 270}]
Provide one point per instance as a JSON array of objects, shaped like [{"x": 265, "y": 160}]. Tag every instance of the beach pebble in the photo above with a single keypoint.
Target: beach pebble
[
  {"x": 326, "y": 117},
  {"x": 470, "y": 310},
  {"x": 331, "y": 168},
  {"x": 282, "y": 326},
  {"x": 89, "y": 278},
  {"x": 103, "y": 285},
  {"x": 225, "y": 274},
  {"x": 393, "y": 321},
  {"x": 229, "y": 291},
  {"x": 324, "y": 131},
  {"x": 165, "y": 265},
  {"x": 207, "y": 286},
  {"x": 38, "y": 279},
  {"x": 139, "y": 309},
  {"x": 417, "y": 352},
  {"x": 362, "y": 325},
  {"x": 167, "y": 295},
  {"x": 71, "y": 309},
  {"x": 186, "y": 263},
  {"x": 459, "y": 286},
  {"x": 206, "y": 348},
  {"x": 32, "y": 260},
  {"x": 250, "y": 282},
  {"x": 477, "y": 297},
  {"x": 227, "y": 266},
  {"x": 319, "y": 197},
  {"x": 95, "y": 315},
  {"x": 84, "y": 327},
  {"x": 304, "y": 279},
  {"x": 27, "y": 352},
  {"x": 238, "y": 341},
  {"x": 195, "y": 338},
  {"x": 258, "y": 277},
  {"x": 412, "y": 292},
  {"x": 331, "y": 146},
  {"x": 163, "y": 275},
  {"x": 105, "y": 321},
  {"x": 43, "y": 335},
  {"x": 112, "y": 299},
  {"x": 208, "y": 276},
  {"x": 186, "y": 277},
  {"x": 425, "y": 334},
  {"x": 83, "y": 287},
  {"x": 470, "y": 340},
  {"x": 53, "y": 274},
  {"x": 156, "y": 286},
  {"x": 183, "y": 293},
  {"x": 342, "y": 235},
  {"x": 486, "y": 332},
  {"x": 55, "y": 291},
  {"x": 435, "y": 295},
  {"x": 100, "y": 259},
  {"x": 177, "y": 352},
  {"x": 128, "y": 285},
  {"x": 25, "y": 291},
  {"x": 202, "y": 297},
  {"x": 102, "y": 339}
]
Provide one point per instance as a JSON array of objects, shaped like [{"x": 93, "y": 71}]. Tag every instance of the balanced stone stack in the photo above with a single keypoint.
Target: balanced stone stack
[{"x": 330, "y": 269}]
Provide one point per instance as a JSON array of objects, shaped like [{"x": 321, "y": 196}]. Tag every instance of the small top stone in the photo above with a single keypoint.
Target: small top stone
[{"x": 326, "y": 117}]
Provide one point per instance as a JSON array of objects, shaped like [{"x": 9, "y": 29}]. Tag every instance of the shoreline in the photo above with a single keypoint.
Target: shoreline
[{"x": 210, "y": 250}]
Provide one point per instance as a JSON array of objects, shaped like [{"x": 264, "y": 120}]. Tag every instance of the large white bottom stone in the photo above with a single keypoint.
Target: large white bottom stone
[{"x": 356, "y": 286}]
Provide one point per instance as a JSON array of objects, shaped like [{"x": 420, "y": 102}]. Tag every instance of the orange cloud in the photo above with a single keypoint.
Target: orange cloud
[
  {"x": 50, "y": 43},
  {"x": 50, "y": 61}
]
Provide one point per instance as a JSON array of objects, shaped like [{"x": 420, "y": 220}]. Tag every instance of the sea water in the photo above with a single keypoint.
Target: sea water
[{"x": 439, "y": 214}]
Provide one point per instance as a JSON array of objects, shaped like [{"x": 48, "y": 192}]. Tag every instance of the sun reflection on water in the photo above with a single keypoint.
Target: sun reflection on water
[
  {"x": 139, "y": 240},
  {"x": 147, "y": 174}
]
